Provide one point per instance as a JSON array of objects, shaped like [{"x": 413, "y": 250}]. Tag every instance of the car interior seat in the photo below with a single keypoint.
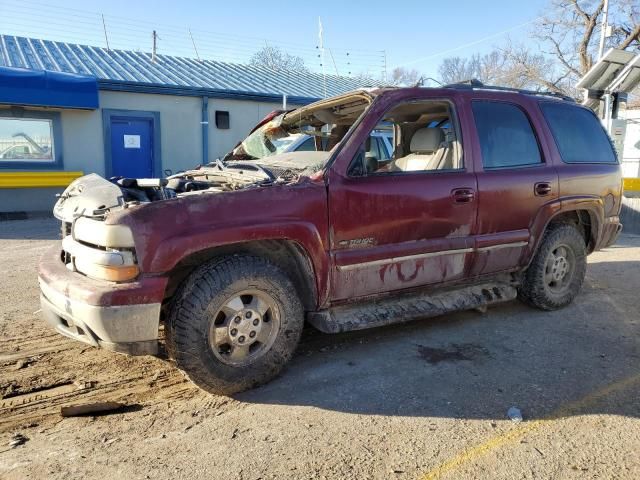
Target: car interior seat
[{"x": 429, "y": 150}]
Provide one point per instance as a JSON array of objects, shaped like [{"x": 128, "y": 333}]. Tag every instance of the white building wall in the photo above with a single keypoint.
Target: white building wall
[
  {"x": 631, "y": 156},
  {"x": 181, "y": 137}
]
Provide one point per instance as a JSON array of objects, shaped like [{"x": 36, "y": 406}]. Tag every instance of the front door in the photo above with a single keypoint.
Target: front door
[
  {"x": 409, "y": 223},
  {"x": 131, "y": 147}
]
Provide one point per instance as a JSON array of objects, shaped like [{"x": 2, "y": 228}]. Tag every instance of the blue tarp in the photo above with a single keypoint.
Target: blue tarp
[{"x": 45, "y": 88}]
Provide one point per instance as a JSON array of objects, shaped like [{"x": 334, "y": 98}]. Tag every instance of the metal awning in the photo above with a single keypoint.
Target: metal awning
[{"x": 43, "y": 88}]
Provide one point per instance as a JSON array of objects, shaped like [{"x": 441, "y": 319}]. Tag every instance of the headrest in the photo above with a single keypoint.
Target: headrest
[{"x": 426, "y": 140}]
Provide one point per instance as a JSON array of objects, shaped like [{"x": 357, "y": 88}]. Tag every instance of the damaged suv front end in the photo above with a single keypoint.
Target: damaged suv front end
[{"x": 91, "y": 286}]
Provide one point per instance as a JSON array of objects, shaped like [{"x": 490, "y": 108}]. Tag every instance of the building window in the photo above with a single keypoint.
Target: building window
[
  {"x": 222, "y": 119},
  {"x": 26, "y": 139},
  {"x": 29, "y": 140}
]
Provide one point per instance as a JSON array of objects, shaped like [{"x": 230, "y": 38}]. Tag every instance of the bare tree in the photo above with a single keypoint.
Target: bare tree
[
  {"x": 565, "y": 47},
  {"x": 275, "y": 59},
  {"x": 404, "y": 76},
  {"x": 488, "y": 68},
  {"x": 569, "y": 34}
]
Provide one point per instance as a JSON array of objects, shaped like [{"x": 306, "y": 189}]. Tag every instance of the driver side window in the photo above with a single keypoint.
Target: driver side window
[{"x": 425, "y": 139}]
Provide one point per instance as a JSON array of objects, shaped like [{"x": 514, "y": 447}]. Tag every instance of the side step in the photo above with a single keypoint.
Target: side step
[{"x": 409, "y": 307}]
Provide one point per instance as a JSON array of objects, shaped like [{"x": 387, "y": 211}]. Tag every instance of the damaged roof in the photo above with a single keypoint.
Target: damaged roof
[{"x": 129, "y": 70}]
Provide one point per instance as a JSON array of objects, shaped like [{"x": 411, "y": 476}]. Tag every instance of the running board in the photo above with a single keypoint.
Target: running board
[{"x": 409, "y": 307}]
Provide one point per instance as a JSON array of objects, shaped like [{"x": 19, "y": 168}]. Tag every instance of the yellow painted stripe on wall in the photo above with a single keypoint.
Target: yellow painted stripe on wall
[
  {"x": 631, "y": 184},
  {"x": 37, "y": 179}
]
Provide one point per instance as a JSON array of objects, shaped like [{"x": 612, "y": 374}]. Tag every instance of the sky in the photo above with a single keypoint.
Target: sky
[{"x": 358, "y": 36}]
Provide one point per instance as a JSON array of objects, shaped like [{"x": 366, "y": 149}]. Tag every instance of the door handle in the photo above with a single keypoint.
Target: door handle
[
  {"x": 463, "y": 195},
  {"x": 542, "y": 188}
]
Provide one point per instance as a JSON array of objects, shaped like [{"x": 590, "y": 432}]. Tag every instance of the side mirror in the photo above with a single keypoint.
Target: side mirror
[{"x": 357, "y": 167}]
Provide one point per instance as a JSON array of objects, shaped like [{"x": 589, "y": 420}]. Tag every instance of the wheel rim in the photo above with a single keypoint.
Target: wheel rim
[
  {"x": 559, "y": 269},
  {"x": 244, "y": 327}
]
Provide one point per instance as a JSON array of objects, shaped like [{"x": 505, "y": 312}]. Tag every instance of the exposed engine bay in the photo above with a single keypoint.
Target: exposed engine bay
[
  {"x": 94, "y": 196},
  {"x": 223, "y": 177}
]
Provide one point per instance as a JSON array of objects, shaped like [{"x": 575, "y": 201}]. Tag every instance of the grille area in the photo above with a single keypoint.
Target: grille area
[{"x": 65, "y": 229}]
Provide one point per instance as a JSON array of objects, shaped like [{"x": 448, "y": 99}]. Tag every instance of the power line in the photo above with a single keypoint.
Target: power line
[
  {"x": 124, "y": 28},
  {"x": 484, "y": 39}
]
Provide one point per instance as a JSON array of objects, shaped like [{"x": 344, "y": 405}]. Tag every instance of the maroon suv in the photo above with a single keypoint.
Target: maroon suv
[{"x": 489, "y": 195}]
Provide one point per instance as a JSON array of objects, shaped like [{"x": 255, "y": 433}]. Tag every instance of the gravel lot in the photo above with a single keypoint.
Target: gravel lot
[{"x": 423, "y": 400}]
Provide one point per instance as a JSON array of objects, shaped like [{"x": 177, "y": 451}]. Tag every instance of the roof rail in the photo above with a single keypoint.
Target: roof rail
[{"x": 475, "y": 84}]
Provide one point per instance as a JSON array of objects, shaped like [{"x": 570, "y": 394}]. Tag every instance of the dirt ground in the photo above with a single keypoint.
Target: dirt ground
[{"x": 423, "y": 400}]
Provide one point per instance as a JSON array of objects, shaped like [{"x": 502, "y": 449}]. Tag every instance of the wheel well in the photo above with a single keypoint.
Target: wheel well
[
  {"x": 582, "y": 220},
  {"x": 290, "y": 256}
]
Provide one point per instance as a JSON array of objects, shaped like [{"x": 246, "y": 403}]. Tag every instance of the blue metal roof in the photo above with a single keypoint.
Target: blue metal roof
[{"x": 134, "y": 71}]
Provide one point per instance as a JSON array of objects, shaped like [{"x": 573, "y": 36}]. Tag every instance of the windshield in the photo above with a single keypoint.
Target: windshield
[
  {"x": 267, "y": 140},
  {"x": 315, "y": 128}
]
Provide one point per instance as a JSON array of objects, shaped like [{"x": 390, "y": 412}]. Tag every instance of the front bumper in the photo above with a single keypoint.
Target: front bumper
[{"x": 101, "y": 313}]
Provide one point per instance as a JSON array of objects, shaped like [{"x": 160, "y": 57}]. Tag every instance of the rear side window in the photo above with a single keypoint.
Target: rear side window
[
  {"x": 506, "y": 136},
  {"x": 578, "y": 134}
]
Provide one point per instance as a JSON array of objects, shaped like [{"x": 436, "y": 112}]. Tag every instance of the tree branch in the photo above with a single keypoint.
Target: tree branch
[
  {"x": 631, "y": 36},
  {"x": 561, "y": 57}
]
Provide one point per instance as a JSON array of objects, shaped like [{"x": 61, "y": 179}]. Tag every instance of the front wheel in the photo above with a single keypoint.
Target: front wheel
[
  {"x": 234, "y": 324},
  {"x": 557, "y": 271}
]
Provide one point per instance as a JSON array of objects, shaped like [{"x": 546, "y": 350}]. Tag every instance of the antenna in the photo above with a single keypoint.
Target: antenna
[
  {"x": 155, "y": 46},
  {"x": 104, "y": 27},
  {"x": 194, "y": 46}
]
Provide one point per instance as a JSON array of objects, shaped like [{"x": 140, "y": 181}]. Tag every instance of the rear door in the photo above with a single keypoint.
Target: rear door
[{"x": 516, "y": 180}]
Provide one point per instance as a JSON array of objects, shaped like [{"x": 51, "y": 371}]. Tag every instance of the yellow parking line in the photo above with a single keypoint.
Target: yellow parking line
[{"x": 516, "y": 433}]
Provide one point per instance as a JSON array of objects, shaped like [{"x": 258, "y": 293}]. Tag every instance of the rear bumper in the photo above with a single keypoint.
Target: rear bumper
[{"x": 101, "y": 313}]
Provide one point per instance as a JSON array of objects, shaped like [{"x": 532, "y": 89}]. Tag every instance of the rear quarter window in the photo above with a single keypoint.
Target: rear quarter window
[{"x": 578, "y": 133}]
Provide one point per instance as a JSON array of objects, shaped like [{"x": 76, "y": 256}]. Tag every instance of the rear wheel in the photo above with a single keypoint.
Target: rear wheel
[
  {"x": 557, "y": 271},
  {"x": 234, "y": 324}
]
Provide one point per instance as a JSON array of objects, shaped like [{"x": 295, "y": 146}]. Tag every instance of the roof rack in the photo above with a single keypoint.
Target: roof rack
[{"x": 475, "y": 84}]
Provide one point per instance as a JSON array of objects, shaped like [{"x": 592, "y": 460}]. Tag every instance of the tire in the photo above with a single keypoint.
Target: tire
[
  {"x": 544, "y": 286},
  {"x": 220, "y": 331}
]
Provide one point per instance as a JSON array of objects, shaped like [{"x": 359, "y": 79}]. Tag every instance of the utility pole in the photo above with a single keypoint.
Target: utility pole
[
  {"x": 155, "y": 46},
  {"x": 104, "y": 27},
  {"x": 324, "y": 73},
  {"x": 194, "y": 46},
  {"x": 384, "y": 53},
  {"x": 604, "y": 33}
]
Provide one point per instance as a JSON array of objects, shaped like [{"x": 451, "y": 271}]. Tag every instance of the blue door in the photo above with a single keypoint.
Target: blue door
[{"x": 131, "y": 147}]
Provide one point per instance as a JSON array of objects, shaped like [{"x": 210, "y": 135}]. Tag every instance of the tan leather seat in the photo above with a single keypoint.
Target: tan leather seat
[{"x": 429, "y": 151}]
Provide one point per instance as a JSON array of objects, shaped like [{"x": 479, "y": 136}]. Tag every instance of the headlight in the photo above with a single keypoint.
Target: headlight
[
  {"x": 110, "y": 264},
  {"x": 95, "y": 232}
]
